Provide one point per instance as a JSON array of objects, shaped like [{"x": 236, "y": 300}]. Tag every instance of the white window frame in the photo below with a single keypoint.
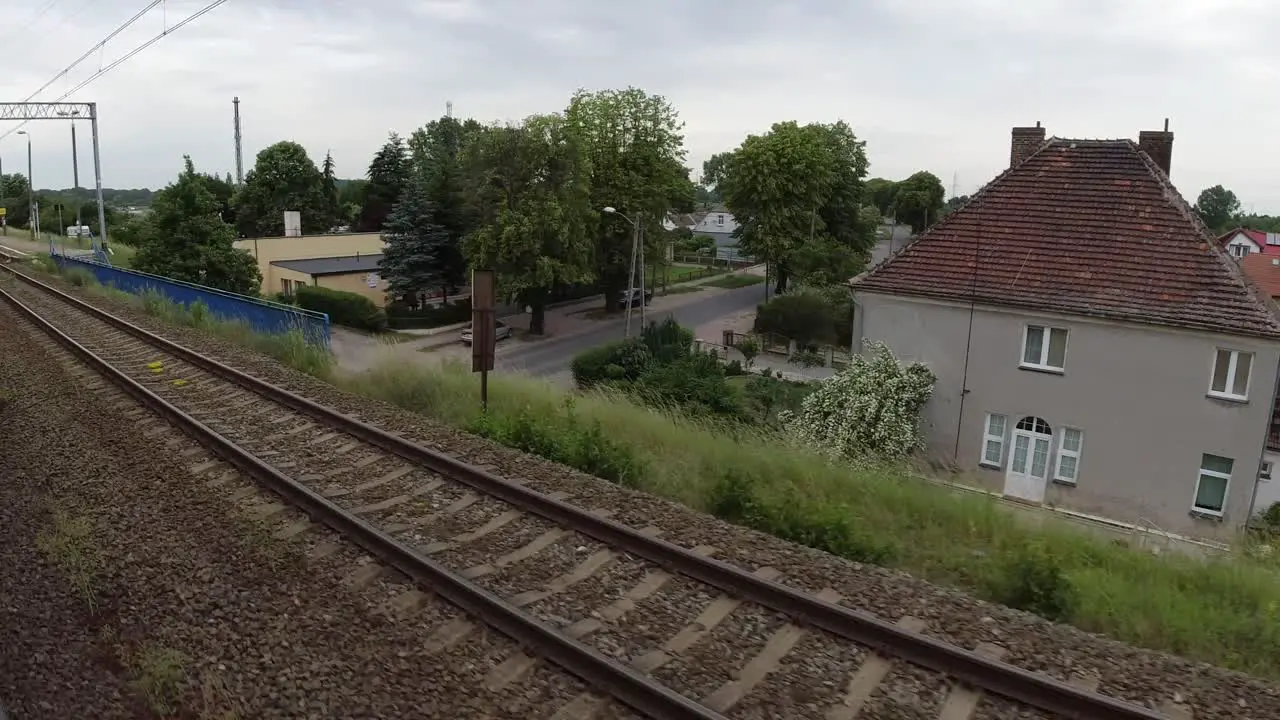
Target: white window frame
[
  {"x": 988, "y": 437},
  {"x": 1264, "y": 470},
  {"x": 1063, "y": 451},
  {"x": 1232, "y": 363},
  {"x": 1226, "y": 489},
  {"x": 720, "y": 218},
  {"x": 1046, "y": 335}
]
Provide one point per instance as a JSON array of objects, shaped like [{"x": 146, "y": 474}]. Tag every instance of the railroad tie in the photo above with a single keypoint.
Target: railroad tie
[
  {"x": 864, "y": 681},
  {"x": 766, "y": 661},
  {"x": 963, "y": 700}
]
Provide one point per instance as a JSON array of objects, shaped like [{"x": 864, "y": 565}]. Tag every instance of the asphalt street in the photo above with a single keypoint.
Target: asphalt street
[{"x": 552, "y": 356}]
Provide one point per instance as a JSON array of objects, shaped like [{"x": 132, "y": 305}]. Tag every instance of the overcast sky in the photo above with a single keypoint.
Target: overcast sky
[{"x": 928, "y": 84}]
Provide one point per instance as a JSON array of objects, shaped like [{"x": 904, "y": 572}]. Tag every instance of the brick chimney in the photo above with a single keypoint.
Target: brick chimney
[
  {"x": 1158, "y": 144},
  {"x": 1025, "y": 141}
]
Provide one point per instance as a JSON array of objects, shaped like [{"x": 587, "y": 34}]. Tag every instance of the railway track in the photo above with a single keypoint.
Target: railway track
[{"x": 617, "y": 606}]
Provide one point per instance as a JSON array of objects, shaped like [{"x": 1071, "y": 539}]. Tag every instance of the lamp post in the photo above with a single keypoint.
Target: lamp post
[
  {"x": 33, "y": 213},
  {"x": 637, "y": 250}
]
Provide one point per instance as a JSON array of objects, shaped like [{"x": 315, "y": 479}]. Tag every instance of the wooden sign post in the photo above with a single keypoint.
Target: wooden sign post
[{"x": 483, "y": 332}]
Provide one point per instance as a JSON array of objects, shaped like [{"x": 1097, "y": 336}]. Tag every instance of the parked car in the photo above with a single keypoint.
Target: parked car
[
  {"x": 635, "y": 297},
  {"x": 501, "y": 331}
]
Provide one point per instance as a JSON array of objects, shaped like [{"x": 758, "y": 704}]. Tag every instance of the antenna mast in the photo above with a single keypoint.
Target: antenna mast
[{"x": 239, "y": 150}]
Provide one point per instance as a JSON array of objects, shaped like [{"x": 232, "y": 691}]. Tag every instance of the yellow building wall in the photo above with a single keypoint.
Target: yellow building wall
[
  {"x": 356, "y": 283},
  {"x": 282, "y": 274},
  {"x": 305, "y": 247}
]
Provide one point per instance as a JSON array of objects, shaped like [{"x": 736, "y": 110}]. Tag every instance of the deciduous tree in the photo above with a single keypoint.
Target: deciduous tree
[
  {"x": 283, "y": 178},
  {"x": 917, "y": 200},
  {"x": 1217, "y": 207},
  {"x": 636, "y": 153},
  {"x": 797, "y": 183},
  {"x": 531, "y": 187},
  {"x": 185, "y": 238}
]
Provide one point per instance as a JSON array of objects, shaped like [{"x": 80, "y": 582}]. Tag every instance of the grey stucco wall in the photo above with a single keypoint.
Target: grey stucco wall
[{"x": 1138, "y": 393}]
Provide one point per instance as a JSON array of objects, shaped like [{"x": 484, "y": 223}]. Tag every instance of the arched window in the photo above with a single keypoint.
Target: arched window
[{"x": 1034, "y": 425}]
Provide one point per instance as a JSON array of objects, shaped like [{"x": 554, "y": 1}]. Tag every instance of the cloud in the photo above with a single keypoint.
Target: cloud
[{"x": 930, "y": 84}]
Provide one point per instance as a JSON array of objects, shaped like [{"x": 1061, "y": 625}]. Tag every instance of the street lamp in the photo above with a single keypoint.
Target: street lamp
[
  {"x": 33, "y": 212},
  {"x": 637, "y": 249}
]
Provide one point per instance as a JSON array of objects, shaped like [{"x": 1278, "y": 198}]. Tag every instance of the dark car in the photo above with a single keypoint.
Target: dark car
[{"x": 635, "y": 297}]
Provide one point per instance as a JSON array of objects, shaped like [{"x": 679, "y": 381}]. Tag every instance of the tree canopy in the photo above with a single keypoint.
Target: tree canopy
[
  {"x": 532, "y": 188},
  {"x": 185, "y": 238},
  {"x": 634, "y": 153},
  {"x": 388, "y": 176},
  {"x": 283, "y": 178},
  {"x": 797, "y": 184},
  {"x": 1217, "y": 207}
]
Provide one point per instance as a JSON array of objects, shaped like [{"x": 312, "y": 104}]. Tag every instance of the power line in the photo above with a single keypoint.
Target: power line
[
  {"x": 126, "y": 56},
  {"x": 36, "y": 18},
  {"x": 95, "y": 48}
]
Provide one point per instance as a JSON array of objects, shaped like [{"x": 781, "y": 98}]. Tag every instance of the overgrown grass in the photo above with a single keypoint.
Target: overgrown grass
[
  {"x": 69, "y": 545},
  {"x": 160, "y": 676},
  {"x": 735, "y": 281},
  {"x": 1224, "y": 611},
  {"x": 290, "y": 348}
]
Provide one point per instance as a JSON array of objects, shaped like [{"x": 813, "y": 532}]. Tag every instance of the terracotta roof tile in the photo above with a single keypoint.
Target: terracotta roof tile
[
  {"x": 1264, "y": 270},
  {"x": 1086, "y": 227}
]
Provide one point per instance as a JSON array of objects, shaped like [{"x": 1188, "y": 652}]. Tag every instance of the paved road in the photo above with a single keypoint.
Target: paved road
[{"x": 552, "y": 356}]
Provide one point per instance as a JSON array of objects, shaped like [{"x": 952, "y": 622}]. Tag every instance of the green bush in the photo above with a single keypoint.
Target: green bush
[
  {"x": 808, "y": 317},
  {"x": 621, "y": 361},
  {"x": 343, "y": 308},
  {"x": 568, "y": 441},
  {"x": 798, "y": 519},
  {"x": 696, "y": 384},
  {"x": 1031, "y": 578},
  {"x": 400, "y": 317},
  {"x": 667, "y": 341}
]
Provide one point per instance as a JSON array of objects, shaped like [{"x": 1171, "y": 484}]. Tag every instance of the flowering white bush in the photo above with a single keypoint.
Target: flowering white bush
[{"x": 870, "y": 410}]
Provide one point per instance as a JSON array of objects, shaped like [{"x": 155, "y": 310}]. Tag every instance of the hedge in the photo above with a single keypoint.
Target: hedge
[
  {"x": 400, "y": 317},
  {"x": 343, "y": 308}
]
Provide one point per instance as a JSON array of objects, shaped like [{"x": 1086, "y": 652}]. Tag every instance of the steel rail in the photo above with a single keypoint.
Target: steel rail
[
  {"x": 625, "y": 684},
  {"x": 1000, "y": 678}
]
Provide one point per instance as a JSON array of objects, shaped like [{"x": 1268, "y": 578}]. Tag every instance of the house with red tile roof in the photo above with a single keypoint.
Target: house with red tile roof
[
  {"x": 1095, "y": 346},
  {"x": 1243, "y": 241}
]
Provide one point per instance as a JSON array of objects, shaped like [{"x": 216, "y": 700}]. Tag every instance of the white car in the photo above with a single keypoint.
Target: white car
[{"x": 501, "y": 331}]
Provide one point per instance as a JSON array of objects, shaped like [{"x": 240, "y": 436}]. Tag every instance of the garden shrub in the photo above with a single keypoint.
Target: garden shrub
[
  {"x": 870, "y": 410},
  {"x": 401, "y": 317},
  {"x": 809, "y": 318},
  {"x": 343, "y": 308},
  {"x": 621, "y": 361},
  {"x": 667, "y": 341}
]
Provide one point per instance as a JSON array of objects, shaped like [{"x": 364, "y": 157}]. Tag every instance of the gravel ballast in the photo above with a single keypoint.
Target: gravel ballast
[
  {"x": 1141, "y": 676},
  {"x": 134, "y": 589}
]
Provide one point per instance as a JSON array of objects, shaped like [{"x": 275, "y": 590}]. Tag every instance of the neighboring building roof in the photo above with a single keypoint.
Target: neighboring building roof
[
  {"x": 1084, "y": 227},
  {"x": 332, "y": 265},
  {"x": 1264, "y": 271},
  {"x": 1257, "y": 237}
]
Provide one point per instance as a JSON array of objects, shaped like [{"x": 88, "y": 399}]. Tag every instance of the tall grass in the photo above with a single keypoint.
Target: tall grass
[{"x": 1225, "y": 611}]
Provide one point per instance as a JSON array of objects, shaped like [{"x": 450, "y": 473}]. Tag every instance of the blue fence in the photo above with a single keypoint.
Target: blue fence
[{"x": 262, "y": 315}]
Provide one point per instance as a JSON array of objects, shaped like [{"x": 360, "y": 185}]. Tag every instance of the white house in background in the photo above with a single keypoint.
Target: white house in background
[
  {"x": 1243, "y": 241},
  {"x": 716, "y": 222}
]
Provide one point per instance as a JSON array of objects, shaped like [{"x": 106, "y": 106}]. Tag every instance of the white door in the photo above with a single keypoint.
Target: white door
[{"x": 1028, "y": 474}]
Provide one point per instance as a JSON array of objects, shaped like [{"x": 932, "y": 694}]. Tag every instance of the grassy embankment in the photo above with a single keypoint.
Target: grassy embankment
[{"x": 1223, "y": 611}]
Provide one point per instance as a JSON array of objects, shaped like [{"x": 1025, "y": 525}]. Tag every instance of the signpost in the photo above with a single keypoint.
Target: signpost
[{"x": 483, "y": 333}]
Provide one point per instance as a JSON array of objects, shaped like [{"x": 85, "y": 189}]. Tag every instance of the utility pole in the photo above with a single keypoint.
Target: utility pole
[
  {"x": 75, "y": 166},
  {"x": 100, "y": 246},
  {"x": 239, "y": 150},
  {"x": 631, "y": 275},
  {"x": 640, "y": 233},
  {"x": 33, "y": 212}
]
